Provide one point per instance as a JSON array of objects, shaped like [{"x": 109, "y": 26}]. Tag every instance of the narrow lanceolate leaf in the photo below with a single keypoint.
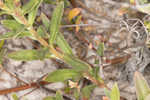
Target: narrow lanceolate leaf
[
  {"x": 87, "y": 90},
  {"x": 59, "y": 96},
  {"x": 3, "y": 12},
  {"x": 12, "y": 25},
  {"x": 76, "y": 63},
  {"x": 10, "y": 4},
  {"x": 41, "y": 32},
  {"x": 7, "y": 35},
  {"x": 15, "y": 97},
  {"x": 76, "y": 94},
  {"x": 141, "y": 85},
  {"x": 29, "y": 6},
  {"x": 107, "y": 92},
  {"x": 50, "y": 1},
  {"x": 62, "y": 43},
  {"x": 100, "y": 49},
  {"x": 45, "y": 21},
  {"x": 62, "y": 75},
  {"x": 28, "y": 55},
  {"x": 32, "y": 14},
  {"x": 115, "y": 94},
  {"x": 2, "y": 54},
  {"x": 25, "y": 34},
  {"x": 2, "y": 43},
  {"x": 55, "y": 22}
]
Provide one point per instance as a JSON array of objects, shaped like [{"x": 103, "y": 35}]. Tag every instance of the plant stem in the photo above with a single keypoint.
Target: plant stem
[
  {"x": 93, "y": 80},
  {"x": 35, "y": 34},
  {"x": 41, "y": 40},
  {"x": 23, "y": 87}
]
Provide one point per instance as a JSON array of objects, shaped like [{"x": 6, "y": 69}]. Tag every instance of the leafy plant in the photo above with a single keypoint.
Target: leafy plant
[
  {"x": 142, "y": 88},
  {"x": 21, "y": 24},
  {"x": 114, "y": 94}
]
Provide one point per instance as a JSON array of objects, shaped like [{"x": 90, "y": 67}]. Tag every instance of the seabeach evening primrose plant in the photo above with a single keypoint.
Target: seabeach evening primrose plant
[{"x": 21, "y": 24}]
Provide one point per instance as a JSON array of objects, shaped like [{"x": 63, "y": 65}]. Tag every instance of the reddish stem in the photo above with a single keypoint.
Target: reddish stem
[{"x": 23, "y": 87}]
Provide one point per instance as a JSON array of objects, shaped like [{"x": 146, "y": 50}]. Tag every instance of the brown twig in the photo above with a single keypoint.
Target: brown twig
[{"x": 23, "y": 87}]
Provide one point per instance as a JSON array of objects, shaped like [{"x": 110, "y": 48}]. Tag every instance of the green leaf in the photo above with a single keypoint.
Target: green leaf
[
  {"x": 115, "y": 94},
  {"x": 100, "y": 49},
  {"x": 49, "y": 98},
  {"x": 50, "y": 1},
  {"x": 12, "y": 25},
  {"x": 15, "y": 97},
  {"x": 45, "y": 21},
  {"x": 2, "y": 54},
  {"x": 87, "y": 90},
  {"x": 95, "y": 72},
  {"x": 62, "y": 43},
  {"x": 141, "y": 85},
  {"x": 53, "y": 2},
  {"x": 76, "y": 94},
  {"x": 10, "y": 4},
  {"x": 41, "y": 32},
  {"x": 32, "y": 14},
  {"x": 76, "y": 63},
  {"x": 66, "y": 3},
  {"x": 29, "y": 6},
  {"x": 107, "y": 92},
  {"x": 15, "y": 28},
  {"x": 3, "y": 12},
  {"x": 55, "y": 22},
  {"x": 59, "y": 96},
  {"x": 62, "y": 75},
  {"x": 2, "y": 43},
  {"x": 28, "y": 55},
  {"x": 25, "y": 34},
  {"x": 7, "y": 35}
]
